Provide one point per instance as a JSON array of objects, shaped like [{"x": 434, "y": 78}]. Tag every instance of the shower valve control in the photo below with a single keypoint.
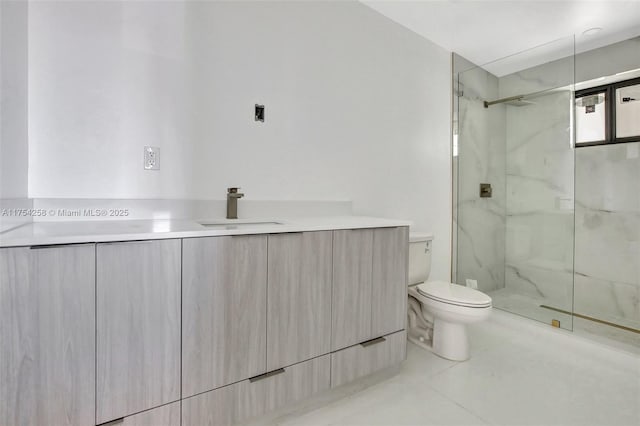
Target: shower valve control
[{"x": 485, "y": 190}]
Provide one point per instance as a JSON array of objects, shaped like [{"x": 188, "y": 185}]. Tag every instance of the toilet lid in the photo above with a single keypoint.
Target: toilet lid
[{"x": 454, "y": 294}]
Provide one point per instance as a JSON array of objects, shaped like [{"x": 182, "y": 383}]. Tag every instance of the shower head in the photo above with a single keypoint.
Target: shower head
[
  {"x": 590, "y": 100},
  {"x": 513, "y": 101}
]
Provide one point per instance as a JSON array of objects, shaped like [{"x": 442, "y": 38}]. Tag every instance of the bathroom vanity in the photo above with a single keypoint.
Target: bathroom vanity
[{"x": 180, "y": 324}]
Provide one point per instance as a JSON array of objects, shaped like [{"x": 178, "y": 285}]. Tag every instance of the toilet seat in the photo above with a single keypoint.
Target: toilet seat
[{"x": 454, "y": 294}]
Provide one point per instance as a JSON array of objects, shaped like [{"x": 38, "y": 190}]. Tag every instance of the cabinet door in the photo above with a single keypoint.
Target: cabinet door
[
  {"x": 299, "y": 297},
  {"x": 351, "y": 299},
  {"x": 47, "y": 335},
  {"x": 138, "y": 329},
  {"x": 224, "y": 311},
  {"x": 389, "y": 281}
]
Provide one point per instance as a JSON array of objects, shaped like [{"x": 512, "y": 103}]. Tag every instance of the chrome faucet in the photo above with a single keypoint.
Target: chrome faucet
[{"x": 232, "y": 202}]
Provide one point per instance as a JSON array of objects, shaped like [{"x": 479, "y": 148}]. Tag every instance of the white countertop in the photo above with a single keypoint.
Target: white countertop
[{"x": 76, "y": 232}]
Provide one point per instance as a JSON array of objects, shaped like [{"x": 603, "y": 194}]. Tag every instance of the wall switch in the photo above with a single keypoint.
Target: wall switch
[
  {"x": 472, "y": 284},
  {"x": 151, "y": 158}
]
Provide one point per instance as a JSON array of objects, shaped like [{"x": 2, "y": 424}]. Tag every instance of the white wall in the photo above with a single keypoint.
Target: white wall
[
  {"x": 13, "y": 114},
  {"x": 13, "y": 100},
  {"x": 357, "y": 107}
]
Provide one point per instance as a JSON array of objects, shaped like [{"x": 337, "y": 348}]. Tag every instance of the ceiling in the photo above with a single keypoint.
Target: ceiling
[{"x": 483, "y": 31}]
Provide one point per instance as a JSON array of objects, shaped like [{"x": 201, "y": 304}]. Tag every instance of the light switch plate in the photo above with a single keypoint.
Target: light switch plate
[{"x": 151, "y": 158}]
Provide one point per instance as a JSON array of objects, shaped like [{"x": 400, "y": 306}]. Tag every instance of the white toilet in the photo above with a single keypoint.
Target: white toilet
[{"x": 439, "y": 311}]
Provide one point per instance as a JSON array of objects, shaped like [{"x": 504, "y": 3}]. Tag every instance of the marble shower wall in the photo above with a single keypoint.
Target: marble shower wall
[
  {"x": 539, "y": 224},
  {"x": 480, "y": 222},
  {"x": 540, "y": 183},
  {"x": 607, "y": 200},
  {"x": 540, "y": 208},
  {"x": 607, "y": 281}
]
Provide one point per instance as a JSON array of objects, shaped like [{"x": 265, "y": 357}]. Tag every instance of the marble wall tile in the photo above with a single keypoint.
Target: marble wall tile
[
  {"x": 539, "y": 195},
  {"x": 480, "y": 222},
  {"x": 607, "y": 244},
  {"x": 589, "y": 65},
  {"x": 547, "y": 76},
  {"x": 554, "y": 196},
  {"x": 539, "y": 154},
  {"x": 543, "y": 236},
  {"x": 546, "y": 282},
  {"x": 608, "y": 233},
  {"x": 608, "y": 300},
  {"x": 607, "y": 177},
  {"x": 481, "y": 245}
]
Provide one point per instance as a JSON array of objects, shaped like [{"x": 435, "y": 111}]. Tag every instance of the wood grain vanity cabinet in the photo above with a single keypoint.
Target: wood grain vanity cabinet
[
  {"x": 368, "y": 357},
  {"x": 224, "y": 309},
  {"x": 351, "y": 300},
  {"x": 47, "y": 335},
  {"x": 299, "y": 297},
  {"x": 241, "y": 401},
  {"x": 138, "y": 326},
  {"x": 369, "y": 284},
  {"x": 389, "y": 280},
  {"x": 165, "y": 415},
  {"x": 195, "y": 331}
]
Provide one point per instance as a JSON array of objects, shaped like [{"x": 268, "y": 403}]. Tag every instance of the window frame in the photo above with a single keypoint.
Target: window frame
[{"x": 609, "y": 112}]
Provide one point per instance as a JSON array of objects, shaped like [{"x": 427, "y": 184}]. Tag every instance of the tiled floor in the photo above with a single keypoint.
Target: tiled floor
[
  {"x": 529, "y": 307},
  {"x": 521, "y": 373}
]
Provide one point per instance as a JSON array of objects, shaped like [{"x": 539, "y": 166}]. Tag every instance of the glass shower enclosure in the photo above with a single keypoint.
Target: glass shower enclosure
[{"x": 513, "y": 167}]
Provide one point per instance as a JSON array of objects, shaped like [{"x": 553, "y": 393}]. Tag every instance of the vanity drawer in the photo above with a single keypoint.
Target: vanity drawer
[
  {"x": 259, "y": 395},
  {"x": 367, "y": 357},
  {"x": 165, "y": 415}
]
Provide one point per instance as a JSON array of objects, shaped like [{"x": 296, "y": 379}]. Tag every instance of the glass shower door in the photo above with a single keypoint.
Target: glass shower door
[{"x": 514, "y": 135}]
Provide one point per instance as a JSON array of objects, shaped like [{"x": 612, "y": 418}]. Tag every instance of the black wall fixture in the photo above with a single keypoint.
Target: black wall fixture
[{"x": 259, "y": 113}]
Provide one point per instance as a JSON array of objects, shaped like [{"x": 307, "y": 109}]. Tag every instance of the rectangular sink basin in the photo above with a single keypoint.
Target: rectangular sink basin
[{"x": 238, "y": 225}]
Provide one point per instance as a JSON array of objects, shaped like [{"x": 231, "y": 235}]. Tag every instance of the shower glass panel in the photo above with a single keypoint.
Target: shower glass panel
[{"x": 513, "y": 126}]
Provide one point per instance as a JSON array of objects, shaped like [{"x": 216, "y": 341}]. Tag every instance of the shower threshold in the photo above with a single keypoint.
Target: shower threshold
[{"x": 588, "y": 318}]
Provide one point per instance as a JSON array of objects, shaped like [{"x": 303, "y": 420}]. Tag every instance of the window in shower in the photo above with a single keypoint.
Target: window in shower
[
  {"x": 591, "y": 118},
  {"x": 608, "y": 114},
  {"x": 628, "y": 111}
]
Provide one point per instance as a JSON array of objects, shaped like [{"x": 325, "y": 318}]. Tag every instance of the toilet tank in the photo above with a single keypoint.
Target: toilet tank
[{"x": 419, "y": 257}]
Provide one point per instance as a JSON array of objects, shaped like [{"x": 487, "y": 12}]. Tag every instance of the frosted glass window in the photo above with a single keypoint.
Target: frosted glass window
[
  {"x": 628, "y": 111},
  {"x": 590, "y": 118}
]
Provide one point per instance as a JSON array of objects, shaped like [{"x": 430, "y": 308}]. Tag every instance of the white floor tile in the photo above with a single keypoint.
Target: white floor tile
[
  {"x": 520, "y": 373},
  {"x": 394, "y": 402},
  {"x": 522, "y": 384}
]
